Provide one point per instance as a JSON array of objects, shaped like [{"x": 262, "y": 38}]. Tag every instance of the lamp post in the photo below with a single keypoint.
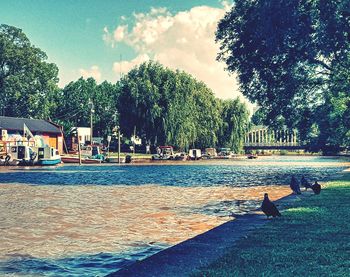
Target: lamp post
[
  {"x": 118, "y": 145},
  {"x": 116, "y": 132},
  {"x": 91, "y": 107},
  {"x": 75, "y": 132}
]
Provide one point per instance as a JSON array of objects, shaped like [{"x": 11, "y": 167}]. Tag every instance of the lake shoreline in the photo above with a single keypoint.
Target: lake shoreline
[
  {"x": 188, "y": 256},
  {"x": 195, "y": 254}
]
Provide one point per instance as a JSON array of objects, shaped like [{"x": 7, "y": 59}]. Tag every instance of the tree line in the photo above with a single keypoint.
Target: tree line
[{"x": 163, "y": 106}]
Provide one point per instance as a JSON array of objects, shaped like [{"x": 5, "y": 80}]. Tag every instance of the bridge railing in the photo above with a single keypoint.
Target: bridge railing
[{"x": 272, "y": 144}]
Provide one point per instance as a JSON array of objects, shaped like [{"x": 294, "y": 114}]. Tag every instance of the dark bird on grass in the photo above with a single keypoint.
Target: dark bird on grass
[
  {"x": 295, "y": 186},
  {"x": 305, "y": 183},
  {"x": 316, "y": 188},
  {"x": 269, "y": 207}
]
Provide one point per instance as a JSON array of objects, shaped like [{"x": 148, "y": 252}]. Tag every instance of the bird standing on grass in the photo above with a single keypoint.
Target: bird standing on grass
[
  {"x": 305, "y": 183},
  {"x": 269, "y": 208},
  {"x": 295, "y": 186},
  {"x": 316, "y": 188}
]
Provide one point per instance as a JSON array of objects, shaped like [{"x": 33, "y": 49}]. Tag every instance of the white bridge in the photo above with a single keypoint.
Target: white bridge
[{"x": 261, "y": 137}]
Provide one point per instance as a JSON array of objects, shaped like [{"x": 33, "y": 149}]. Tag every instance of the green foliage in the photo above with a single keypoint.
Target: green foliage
[
  {"x": 74, "y": 107},
  {"x": 235, "y": 124},
  {"x": 28, "y": 84},
  {"x": 292, "y": 59},
  {"x": 171, "y": 107}
]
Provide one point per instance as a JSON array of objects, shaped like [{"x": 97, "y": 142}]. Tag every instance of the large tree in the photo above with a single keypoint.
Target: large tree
[
  {"x": 172, "y": 107},
  {"x": 28, "y": 83},
  {"x": 290, "y": 56}
]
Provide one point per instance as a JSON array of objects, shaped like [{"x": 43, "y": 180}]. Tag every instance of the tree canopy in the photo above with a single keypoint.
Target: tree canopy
[
  {"x": 27, "y": 82},
  {"x": 171, "y": 107},
  {"x": 291, "y": 58},
  {"x": 74, "y": 107}
]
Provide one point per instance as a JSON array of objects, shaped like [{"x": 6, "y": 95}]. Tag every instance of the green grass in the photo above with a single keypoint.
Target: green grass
[{"x": 312, "y": 238}]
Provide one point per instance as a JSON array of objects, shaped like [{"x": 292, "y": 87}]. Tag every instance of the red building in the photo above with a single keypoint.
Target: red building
[{"x": 50, "y": 132}]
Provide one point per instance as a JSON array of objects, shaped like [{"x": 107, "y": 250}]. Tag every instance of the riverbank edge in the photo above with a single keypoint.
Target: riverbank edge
[
  {"x": 189, "y": 256},
  {"x": 312, "y": 238}
]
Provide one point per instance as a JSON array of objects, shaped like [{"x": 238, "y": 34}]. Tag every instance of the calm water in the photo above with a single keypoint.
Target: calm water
[{"x": 92, "y": 220}]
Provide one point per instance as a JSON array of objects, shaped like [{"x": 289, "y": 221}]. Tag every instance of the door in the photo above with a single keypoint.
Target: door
[{"x": 53, "y": 142}]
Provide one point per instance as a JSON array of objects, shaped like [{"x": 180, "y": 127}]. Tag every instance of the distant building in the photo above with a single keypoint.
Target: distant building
[
  {"x": 84, "y": 134},
  {"x": 12, "y": 130},
  {"x": 84, "y": 138}
]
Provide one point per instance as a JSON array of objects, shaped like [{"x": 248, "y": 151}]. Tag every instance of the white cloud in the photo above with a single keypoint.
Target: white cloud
[
  {"x": 185, "y": 41},
  {"x": 108, "y": 38},
  {"x": 119, "y": 33},
  {"x": 93, "y": 71},
  {"x": 124, "y": 67}
]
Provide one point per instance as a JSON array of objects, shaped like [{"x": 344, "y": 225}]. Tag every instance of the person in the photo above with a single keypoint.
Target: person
[
  {"x": 148, "y": 149},
  {"x": 295, "y": 186},
  {"x": 305, "y": 183}
]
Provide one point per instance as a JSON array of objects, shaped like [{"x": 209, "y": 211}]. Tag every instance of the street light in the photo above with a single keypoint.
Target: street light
[{"x": 91, "y": 107}]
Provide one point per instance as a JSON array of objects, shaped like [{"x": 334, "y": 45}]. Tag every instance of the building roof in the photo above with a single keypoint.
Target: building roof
[{"x": 34, "y": 125}]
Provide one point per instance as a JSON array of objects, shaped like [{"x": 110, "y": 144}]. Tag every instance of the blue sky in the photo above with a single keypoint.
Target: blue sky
[{"x": 102, "y": 39}]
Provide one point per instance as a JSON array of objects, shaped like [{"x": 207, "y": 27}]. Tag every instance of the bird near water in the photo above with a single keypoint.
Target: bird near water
[
  {"x": 269, "y": 207},
  {"x": 316, "y": 188},
  {"x": 294, "y": 185},
  {"x": 305, "y": 183}
]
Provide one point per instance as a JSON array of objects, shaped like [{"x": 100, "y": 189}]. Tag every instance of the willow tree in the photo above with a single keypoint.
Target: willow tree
[
  {"x": 168, "y": 107},
  {"x": 144, "y": 100},
  {"x": 235, "y": 116}
]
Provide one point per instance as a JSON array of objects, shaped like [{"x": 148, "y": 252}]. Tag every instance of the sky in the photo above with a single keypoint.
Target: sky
[{"x": 105, "y": 39}]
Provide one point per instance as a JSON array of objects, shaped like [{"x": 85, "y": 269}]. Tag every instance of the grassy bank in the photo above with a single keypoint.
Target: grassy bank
[{"x": 311, "y": 239}]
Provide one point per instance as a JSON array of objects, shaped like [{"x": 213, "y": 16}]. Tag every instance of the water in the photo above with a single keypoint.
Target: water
[{"x": 92, "y": 220}]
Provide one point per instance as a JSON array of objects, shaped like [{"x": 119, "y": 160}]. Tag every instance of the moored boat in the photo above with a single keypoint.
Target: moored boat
[
  {"x": 48, "y": 156},
  {"x": 84, "y": 160},
  {"x": 22, "y": 155},
  {"x": 164, "y": 153},
  {"x": 195, "y": 154}
]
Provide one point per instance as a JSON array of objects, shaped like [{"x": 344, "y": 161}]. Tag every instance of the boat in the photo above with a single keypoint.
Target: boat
[
  {"x": 252, "y": 156},
  {"x": 22, "y": 155},
  {"x": 90, "y": 154},
  {"x": 195, "y": 154},
  {"x": 182, "y": 156},
  {"x": 225, "y": 153},
  {"x": 48, "y": 156},
  {"x": 210, "y": 153},
  {"x": 164, "y": 153},
  {"x": 84, "y": 160}
]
